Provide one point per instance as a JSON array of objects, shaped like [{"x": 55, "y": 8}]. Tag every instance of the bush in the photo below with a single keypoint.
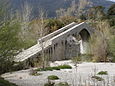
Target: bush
[
  {"x": 62, "y": 84},
  {"x": 5, "y": 83},
  {"x": 65, "y": 67},
  {"x": 54, "y": 68},
  {"x": 49, "y": 84},
  {"x": 34, "y": 73},
  {"x": 97, "y": 78},
  {"x": 112, "y": 48},
  {"x": 52, "y": 77},
  {"x": 103, "y": 73}
]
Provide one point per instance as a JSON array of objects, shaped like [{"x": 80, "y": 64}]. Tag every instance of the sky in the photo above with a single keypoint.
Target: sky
[{"x": 112, "y": 0}]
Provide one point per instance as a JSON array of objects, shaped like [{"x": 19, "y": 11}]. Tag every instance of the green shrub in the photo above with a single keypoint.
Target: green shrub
[
  {"x": 97, "y": 78},
  {"x": 62, "y": 84},
  {"x": 54, "y": 68},
  {"x": 65, "y": 67},
  {"x": 49, "y": 84},
  {"x": 53, "y": 77},
  {"x": 103, "y": 73},
  {"x": 5, "y": 83}
]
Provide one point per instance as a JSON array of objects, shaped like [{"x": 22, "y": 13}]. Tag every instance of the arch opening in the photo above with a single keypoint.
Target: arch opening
[{"x": 84, "y": 41}]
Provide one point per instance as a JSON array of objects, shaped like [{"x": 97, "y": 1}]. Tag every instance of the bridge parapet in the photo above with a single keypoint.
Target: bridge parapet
[{"x": 49, "y": 36}]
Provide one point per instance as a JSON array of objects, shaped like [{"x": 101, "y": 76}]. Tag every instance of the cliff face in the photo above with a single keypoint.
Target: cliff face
[{"x": 52, "y": 5}]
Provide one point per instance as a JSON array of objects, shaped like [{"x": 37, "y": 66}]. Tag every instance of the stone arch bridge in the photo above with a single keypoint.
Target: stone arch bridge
[{"x": 64, "y": 43}]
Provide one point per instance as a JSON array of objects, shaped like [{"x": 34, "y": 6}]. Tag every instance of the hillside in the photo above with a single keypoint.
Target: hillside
[{"x": 52, "y": 5}]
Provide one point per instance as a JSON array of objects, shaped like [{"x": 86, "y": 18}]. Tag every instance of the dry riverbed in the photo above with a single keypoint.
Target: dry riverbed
[{"x": 82, "y": 74}]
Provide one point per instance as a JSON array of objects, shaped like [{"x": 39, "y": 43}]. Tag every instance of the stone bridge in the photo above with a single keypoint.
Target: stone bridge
[{"x": 64, "y": 43}]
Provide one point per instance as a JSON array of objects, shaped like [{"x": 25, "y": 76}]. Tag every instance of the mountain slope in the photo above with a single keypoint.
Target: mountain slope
[{"x": 52, "y": 5}]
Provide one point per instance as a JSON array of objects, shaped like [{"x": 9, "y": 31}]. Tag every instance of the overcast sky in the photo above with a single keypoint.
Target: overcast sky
[{"x": 112, "y": 0}]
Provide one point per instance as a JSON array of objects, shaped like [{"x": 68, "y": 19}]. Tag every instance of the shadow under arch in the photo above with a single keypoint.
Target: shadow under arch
[{"x": 84, "y": 42}]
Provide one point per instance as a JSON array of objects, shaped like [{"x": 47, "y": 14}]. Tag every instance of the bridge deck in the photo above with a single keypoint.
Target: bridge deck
[{"x": 32, "y": 51}]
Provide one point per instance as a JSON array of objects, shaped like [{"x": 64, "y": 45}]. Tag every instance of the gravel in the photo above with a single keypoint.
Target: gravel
[{"x": 81, "y": 74}]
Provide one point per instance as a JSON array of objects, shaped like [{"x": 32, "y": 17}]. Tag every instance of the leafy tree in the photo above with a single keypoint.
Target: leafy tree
[{"x": 9, "y": 44}]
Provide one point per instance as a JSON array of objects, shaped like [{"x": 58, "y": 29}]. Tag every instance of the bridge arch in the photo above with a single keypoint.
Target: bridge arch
[{"x": 84, "y": 42}]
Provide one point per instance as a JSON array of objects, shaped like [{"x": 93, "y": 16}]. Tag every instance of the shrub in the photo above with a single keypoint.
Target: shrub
[
  {"x": 97, "y": 78},
  {"x": 65, "y": 67},
  {"x": 62, "y": 84},
  {"x": 53, "y": 77},
  {"x": 54, "y": 68},
  {"x": 34, "y": 73},
  {"x": 103, "y": 73},
  {"x": 112, "y": 48},
  {"x": 49, "y": 84},
  {"x": 5, "y": 83}
]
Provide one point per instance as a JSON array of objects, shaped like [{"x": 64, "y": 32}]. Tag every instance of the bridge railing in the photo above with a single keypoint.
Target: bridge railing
[{"x": 49, "y": 36}]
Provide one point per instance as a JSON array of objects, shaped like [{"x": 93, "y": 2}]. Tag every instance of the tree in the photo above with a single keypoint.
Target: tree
[
  {"x": 111, "y": 10},
  {"x": 42, "y": 30},
  {"x": 99, "y": 42},
  {"x": 96, "y": 13},
  {"x": 9, "y": 44},
  {"x": 111, "y": 15}
]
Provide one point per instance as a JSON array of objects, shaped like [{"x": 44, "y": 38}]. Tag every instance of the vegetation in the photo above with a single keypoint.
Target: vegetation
[
  {"x": 53, "y": 77},
  {"x": 103, "y": 73},
  {"x": 34, "y": 73},
  {"x": 97, "y": 78},
  {"x": 54, "y": 68},
  {"x": 5, "y": 83},
  {"x": 9, "y": 44},
  {"x": 62, "y": 84},
  {"x": 49, "y": 84}
]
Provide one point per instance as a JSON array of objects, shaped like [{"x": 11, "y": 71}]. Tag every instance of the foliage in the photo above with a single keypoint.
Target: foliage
[
  {"x": 99, "y": 43},
  {"x": 53, "y": 77},
  {"x": 49, "y": 84},
  {"x": 9, "y": 44},
  {"x": 62, "y": 84},
  {"x": 65, "y": 67},
  {"x": 96, "y": 13},
  {"x": 102, "y": 73},
  {"x": 111, "y": 10},
  {"x": 111, "y": 15},
  {"x": 34, "y": 73},
  {"x": 54, "y": 24},
  {"x": 54, "y": 68},
  {"x": 112, "y": 48},
  {"x": 82, "y": 58},
  {"x": 5, "y": 83},
  {"x": 97, "y": 78}
]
